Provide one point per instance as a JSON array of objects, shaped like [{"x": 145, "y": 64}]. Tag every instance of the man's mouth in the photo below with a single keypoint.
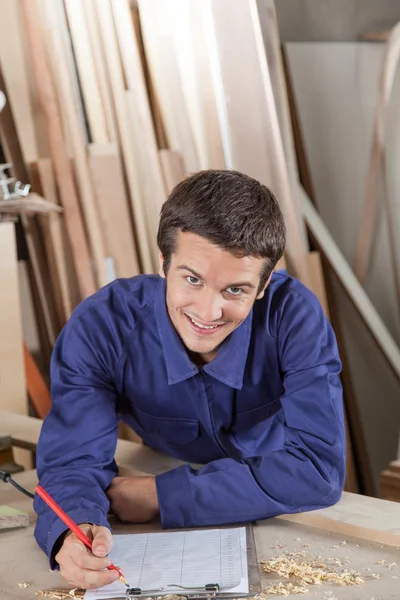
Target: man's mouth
[{"x": 201, "y": 327}]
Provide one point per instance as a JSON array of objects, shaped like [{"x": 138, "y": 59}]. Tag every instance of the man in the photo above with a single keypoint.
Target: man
[{"x": 217, "y": 361}]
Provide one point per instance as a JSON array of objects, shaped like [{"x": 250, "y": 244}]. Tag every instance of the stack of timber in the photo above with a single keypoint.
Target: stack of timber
[{"x": 113, "y": 103}]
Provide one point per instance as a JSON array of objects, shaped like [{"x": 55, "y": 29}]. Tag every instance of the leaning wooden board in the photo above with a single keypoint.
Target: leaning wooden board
[
  {"x": 363, "y": 517},
  {"x": 13, "y": 395}
]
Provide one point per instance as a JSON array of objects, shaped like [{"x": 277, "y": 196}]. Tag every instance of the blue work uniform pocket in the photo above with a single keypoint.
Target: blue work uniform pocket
[{"x": 170, "y": 429}]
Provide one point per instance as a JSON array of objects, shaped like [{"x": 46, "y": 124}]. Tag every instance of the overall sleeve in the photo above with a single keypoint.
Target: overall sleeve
[
  {"x": 308, "y": 471},
  {"x": 75, "y": 453}
]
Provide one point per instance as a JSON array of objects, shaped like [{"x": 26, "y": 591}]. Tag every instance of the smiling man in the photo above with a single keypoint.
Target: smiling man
[{"x": 217, "y": 361}]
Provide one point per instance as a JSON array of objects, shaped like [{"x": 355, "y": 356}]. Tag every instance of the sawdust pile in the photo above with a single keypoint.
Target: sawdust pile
[
  {"x": 305, "y": 572},
  {"x": 64, "y": 594},
  {"x": 61, "y": 594}
]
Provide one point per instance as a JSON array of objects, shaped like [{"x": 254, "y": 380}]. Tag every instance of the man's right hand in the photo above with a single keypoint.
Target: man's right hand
[{"x": 81, "y": 567}]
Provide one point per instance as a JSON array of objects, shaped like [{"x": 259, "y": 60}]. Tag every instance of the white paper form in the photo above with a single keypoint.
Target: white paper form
[{"x": 150, "y": 561}]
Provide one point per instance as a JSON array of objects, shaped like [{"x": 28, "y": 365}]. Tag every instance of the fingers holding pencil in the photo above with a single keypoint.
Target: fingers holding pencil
[
  {"x": 82, "y": 558},
  {"x": 80, "y": 566}
]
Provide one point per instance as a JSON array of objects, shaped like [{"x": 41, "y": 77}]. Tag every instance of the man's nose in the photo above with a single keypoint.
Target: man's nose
[{"x": 210, "y": 307}]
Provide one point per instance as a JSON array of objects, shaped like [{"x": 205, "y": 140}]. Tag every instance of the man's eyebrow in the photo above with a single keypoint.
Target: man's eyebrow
[
  {"x": 186, "y": 268},
  {"x": 240, "y": 284}
]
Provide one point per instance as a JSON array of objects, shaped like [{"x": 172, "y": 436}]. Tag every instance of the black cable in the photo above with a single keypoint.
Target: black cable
[{"x": 6, "y": 477}]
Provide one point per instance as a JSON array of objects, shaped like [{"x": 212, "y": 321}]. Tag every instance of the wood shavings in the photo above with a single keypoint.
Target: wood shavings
[
  {"x": 24, "y": 585},
  {"x": 286, "y": 589},
  {"x": 61, "y": 594},
  {"x": 306, "y": 573}
]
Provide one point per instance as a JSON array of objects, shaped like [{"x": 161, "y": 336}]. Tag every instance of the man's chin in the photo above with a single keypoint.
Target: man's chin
[{"x": 202, "y": 348}]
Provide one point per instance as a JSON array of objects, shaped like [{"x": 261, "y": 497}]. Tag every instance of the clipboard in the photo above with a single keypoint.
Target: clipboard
[{"x": 210, "y": 589}]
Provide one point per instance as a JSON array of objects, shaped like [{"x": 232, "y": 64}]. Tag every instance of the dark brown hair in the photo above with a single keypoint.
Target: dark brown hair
[{"x": 231, "y": 210}]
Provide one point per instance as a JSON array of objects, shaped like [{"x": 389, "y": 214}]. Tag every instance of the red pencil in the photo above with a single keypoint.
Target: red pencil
[{"x": 73, "y": 526}]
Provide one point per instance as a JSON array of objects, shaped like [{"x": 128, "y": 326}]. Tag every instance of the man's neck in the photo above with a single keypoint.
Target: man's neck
[{"x": 201, "y": 359}]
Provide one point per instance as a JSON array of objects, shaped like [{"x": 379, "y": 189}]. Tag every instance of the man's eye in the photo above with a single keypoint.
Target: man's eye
[
  {"x": 234, "y": 291},
  {"x": 193, "y": 280}
]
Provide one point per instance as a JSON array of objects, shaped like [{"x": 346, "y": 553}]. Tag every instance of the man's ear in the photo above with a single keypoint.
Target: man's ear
[
  {"x": 161, "y": 267},
  {"x": 261, "y": 294}
]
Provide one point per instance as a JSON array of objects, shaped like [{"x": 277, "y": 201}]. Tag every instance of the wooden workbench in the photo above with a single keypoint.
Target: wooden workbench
[{"x": 340, "y": 533}]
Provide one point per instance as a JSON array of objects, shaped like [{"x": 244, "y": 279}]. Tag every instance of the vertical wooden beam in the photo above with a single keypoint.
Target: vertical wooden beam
[
  {"x": 252, "y": 144},
  {"x": 55, "y": 227},
  {"x": 62, "y": 166},
  {"x": 98, "y": 52},
  {"x": 173, "y": 167},
  {"x": 87, "y": 71},
  {"x": 13, "y": 396},
  {"x": 53, "y": 24},
  {"x": 116, "y": 77},
  {"x": 139, "y": 112},
  {"x": 44, "y": 225},
  {"x": 37, "y": 271},
  {"x": 112, "y": 202}
]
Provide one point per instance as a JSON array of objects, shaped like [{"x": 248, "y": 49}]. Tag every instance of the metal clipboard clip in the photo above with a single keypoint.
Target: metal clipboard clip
[{"x": 210, "y": 590}]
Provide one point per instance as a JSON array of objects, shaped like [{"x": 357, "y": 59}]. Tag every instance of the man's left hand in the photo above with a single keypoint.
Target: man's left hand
[{"x": 134, "y": 499}]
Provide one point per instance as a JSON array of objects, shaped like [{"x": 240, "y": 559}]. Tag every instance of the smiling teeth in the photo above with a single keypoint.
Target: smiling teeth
[{"x": 203, "y": 326}]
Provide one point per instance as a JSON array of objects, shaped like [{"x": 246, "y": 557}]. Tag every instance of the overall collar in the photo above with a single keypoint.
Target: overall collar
[{"x": 228, "y": 365}]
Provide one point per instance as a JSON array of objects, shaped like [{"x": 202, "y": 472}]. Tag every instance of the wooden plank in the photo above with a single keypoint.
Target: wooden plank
[
  {"x": 38, "y": 391},
  {"x": 160, "y": 20},
  {"x": 13, "y": 396},
  {"x": 53, "y": 23},
  {"x": 255, "y": 142},
  {"x": 143, "y": 133},
  {"x": 112, "y": 202},
  {"x": 14, "y": 66},
  {"x": 317, "y": 284},
  {"x": 87, "y": 71},
  {"x": 98, "y": 53},
  {"x": 159, "y": 126},
  {"x": 318, "y": 288},
  {"x": 12, "y": 518},
  {"x": 370, "y": 519},
  {"x": 202, "y": 103},
  {"x": 350, "y": 283},
  {"x": 116, "y": 77},
  {"x": 173, "y": 167},
  {"x": 60, "y": 159},
  {"x": 377, "y": 172},
  {"x": 12, "y": 376},
  {"x": 375, "y": 36},
  {"x": 54, "y": 280},
  {"x": 148, "y": 171},
  {"x": 390, "y": 482},
  {"x": 37, "y": 271},
  {"x": 55, "y": 226},
  {"x": 270, "y": 33}
]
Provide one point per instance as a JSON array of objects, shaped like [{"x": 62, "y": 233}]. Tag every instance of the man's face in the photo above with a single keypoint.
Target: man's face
[{"x": 209, "y": 292}]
